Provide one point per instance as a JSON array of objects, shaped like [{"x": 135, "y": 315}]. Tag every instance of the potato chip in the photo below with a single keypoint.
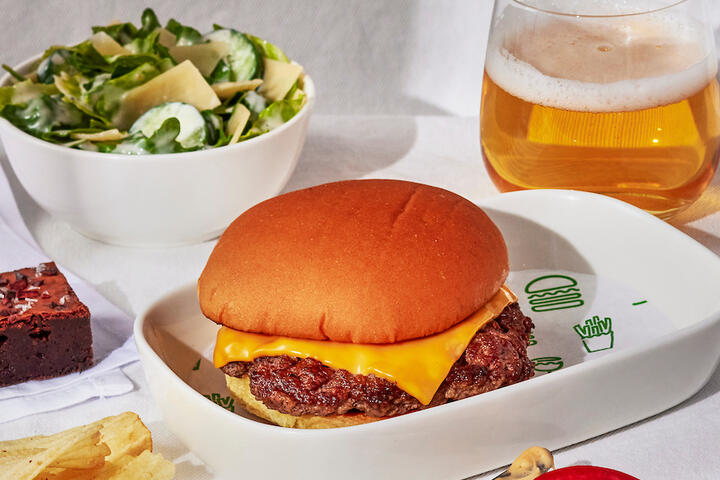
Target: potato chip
[
  {"x": 125, "y": 434},
  {"x": 54, "y": 447},
  {"x": 69, "y": 474},
  {"x": 86, "y": 453},
  {"x": 148, "y": 466},
  {"x": 117, "y": 447},
  {"x": 86, "y": 457},
  {"x": 39, "y": 441}
]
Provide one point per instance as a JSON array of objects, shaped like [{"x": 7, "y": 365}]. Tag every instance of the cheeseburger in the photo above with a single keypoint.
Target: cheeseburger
[{"x": 355, "y": 301}]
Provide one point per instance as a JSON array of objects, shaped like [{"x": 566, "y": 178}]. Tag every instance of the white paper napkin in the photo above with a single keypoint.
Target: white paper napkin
[{"x": 111, "y": 328}]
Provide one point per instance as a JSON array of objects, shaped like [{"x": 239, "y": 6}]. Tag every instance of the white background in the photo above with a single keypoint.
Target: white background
[
  {"x": 422, "y": 57},
  {"x": 392, "y": 71},
  {"x": 375, "y": 56}
]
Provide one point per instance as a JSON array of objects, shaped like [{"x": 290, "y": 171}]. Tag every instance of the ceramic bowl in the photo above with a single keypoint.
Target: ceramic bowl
[{"x": 155, "y": 200}]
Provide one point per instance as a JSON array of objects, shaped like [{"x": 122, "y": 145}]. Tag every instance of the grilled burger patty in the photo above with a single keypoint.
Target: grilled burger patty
[{"x": 495, "y": 357}]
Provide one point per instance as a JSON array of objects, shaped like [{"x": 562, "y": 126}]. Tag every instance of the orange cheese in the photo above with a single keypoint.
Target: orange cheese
[{"x": 416, "y": 366}]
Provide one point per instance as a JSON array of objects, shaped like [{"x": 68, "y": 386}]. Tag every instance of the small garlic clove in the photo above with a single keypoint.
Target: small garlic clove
[{"x": 531, "y": 463}]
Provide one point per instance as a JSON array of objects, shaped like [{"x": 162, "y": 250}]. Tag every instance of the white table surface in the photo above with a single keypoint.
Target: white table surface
[
  {"x": 438, "y": 150},
  {"x": 402, "y": 59}
]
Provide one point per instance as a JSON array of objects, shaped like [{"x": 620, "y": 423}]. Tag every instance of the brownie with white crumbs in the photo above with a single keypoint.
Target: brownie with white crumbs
[{"x": 44, "y": 328}]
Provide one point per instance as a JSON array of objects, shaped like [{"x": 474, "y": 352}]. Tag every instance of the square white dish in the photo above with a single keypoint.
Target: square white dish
[{"x": 559, "y": 230}]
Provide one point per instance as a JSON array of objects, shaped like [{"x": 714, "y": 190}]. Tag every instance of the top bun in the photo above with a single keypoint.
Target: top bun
[{"x": 361, "y": 261}]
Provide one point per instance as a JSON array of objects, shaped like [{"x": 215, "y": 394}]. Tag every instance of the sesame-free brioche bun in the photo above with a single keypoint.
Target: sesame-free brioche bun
[
  {"x": 240, "y": 389},
  {"x": 361, "y": 261}
]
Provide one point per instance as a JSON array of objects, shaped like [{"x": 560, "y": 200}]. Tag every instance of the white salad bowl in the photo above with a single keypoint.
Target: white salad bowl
[
  {"x": 160, "y": 199},
  {"x": 655, "y": 269}
]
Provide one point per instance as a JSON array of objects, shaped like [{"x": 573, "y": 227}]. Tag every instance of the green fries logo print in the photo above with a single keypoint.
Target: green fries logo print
[
  {"x": 227, "y": 402},
  {"x": 553, "y": 292},
  {"x": 597, "y": 334}
]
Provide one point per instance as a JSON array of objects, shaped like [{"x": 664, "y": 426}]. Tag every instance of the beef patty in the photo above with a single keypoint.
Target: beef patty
[{"x": 495, "y": 357}]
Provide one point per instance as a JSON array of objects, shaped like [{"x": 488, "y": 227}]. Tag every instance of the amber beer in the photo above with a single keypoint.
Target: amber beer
[{"x": 628, "y": 108}]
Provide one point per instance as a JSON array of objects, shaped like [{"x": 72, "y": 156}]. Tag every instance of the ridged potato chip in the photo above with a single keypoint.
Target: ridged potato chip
[
  {"x": 148, "y": 466},
  {"x": 114, "y": 448},
  {"x": 26, "y": 460}
]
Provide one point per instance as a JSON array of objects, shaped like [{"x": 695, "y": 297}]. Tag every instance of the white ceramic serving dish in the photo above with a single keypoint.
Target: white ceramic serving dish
[
  {"x": 155, "y": 200},
  {"x": 563, "y": 230}
]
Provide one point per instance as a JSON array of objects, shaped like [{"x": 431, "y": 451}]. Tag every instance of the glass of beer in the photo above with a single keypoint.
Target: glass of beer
[{"x": 608, "y": 96}]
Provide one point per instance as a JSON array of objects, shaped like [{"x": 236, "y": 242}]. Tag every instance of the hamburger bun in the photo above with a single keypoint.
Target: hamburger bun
[
  {"x": 360, "y": 261},
  {"x": 240, "y": 388}
]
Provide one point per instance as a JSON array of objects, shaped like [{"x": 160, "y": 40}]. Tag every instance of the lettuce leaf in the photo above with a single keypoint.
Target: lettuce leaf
[
  {"x": 162, "y": 141},
  {"x": 127, "y": 63},
  {"x": 149, "y": 22},
  {"x": 122, "y": 33},
  {"x": 24, "y": 91},
  {"x": 13, "y": 73},
  {"x": 276, "y": 114},
  {"x": 42, "y": 114},
  {"x": 87, "y": 60},
  {"x": 184, "y": 35},
  {"x": 6, "y": 95},
  {"x": 149, "y": 44},
  {"x": 139, "y": 41},
  {"x": 54, "y": 63},
  {"x": 105, "y": 97},
  {"x": 73, "y": 93},
  {"x": 268, "y": 50},
  {"x": 221, "y": 73}
]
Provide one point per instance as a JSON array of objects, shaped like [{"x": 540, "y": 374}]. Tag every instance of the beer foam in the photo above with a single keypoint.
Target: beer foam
[
  {"x": 600, "y": 65},
  {"x": 599, "y": 7}
]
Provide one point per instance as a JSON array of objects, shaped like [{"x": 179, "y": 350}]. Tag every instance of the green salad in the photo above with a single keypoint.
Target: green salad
[{"x": 155, "y": 89}]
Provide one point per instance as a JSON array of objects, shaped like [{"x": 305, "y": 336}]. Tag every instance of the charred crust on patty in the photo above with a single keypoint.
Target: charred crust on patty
[{"x": 495, "y": 357}]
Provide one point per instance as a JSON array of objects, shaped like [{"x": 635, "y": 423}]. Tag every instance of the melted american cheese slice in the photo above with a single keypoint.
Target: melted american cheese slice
[{"x": 416, "y": 366}]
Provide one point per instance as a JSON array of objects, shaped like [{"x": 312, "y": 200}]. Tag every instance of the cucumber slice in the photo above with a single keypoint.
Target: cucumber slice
[
  {"x": 255, "y": 102},
  {"x": 192, "y": 124},
  {"x": 244, "y": 60},
  {"x": 213, "y": 126}
]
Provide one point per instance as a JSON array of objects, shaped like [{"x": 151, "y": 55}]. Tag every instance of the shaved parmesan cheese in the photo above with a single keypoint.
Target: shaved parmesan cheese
[
  {"x": 182, "y": 83},
  {"x": 106, "y": 45},
  {"x": 73, "y": 143},
  {"x": 301, "y": 81},
  {"x": 27, "y": 90},
  {"x": 279, "y": 78},
  {"x": 106, "y": 136},
  {"x": 226, "y": 90},
  {"x": 205, "y": 56},
  {"x": 166, "y": 38},
  {"x": 67, "y": 87},
  {"x": 237, "y": 122}
]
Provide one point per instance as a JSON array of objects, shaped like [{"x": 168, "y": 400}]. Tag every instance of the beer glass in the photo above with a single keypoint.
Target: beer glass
[{"x": 609, "y": 96}]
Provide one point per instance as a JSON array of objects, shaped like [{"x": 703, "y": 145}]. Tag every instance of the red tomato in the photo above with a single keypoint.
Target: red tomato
[{"x": 585, "y": 472}]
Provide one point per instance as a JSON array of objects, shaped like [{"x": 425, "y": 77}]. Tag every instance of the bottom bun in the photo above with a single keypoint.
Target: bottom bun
[{"x": 240, "y": 388}]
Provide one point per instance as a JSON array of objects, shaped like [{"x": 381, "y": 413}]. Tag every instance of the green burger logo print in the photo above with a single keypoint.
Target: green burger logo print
[
  {"x": 553, "y": 292},
  {"x": 547, "y": 364}
]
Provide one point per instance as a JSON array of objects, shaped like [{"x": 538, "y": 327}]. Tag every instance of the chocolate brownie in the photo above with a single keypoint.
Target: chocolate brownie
[{"x": 44, "y": 328}]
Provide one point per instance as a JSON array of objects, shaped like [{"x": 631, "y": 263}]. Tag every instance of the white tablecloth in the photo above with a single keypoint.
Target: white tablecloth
[{"x": 443, "y": 151}]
